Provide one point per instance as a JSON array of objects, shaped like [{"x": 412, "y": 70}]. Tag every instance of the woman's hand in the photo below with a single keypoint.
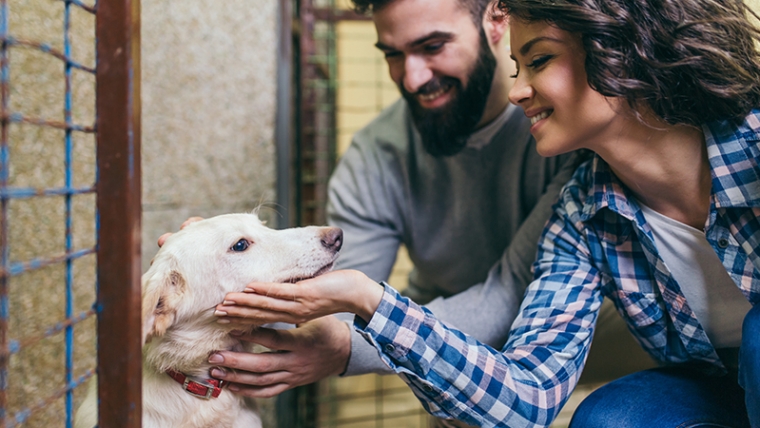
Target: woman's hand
[{"x": 334, "y": 292}]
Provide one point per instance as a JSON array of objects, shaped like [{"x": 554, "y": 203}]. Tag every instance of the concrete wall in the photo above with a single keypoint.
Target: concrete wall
[{"x": 208, "y": 115}]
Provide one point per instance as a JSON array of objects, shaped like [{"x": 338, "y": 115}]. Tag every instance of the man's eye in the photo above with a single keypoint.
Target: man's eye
[
  {"x": 434, "y": 47},
  {"x": 240, "y": 246},
  {"x": 391, "y": 55}
]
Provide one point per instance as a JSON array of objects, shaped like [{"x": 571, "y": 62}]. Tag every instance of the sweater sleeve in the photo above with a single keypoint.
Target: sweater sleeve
[
  {"x": 364, "y": 200},
  {"x": 486, "y": 310}
]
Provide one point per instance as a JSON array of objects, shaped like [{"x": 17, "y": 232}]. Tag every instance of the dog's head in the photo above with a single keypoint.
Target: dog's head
[{"x": 197, "y": 266}]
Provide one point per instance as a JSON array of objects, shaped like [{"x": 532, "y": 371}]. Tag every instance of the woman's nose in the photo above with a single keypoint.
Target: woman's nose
[{"x": 521, "y": 91}]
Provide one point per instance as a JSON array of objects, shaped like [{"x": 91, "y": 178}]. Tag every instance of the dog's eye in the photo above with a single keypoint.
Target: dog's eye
[{"x": 240, "y": 245}]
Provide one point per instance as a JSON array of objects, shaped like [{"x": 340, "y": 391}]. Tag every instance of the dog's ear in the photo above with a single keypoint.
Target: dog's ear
[{"x": 162, "y": 292}]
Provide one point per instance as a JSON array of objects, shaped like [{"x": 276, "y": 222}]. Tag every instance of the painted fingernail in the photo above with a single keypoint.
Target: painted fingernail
[
  {"x": 220, "y": 313},
  {"x": 228, "y": 303},
  {"x": 218, "y": 373},
  {"x": 222, "y": 321},
  {"x": 215, "y": 358},
  {"x": 249, "y": 290}
]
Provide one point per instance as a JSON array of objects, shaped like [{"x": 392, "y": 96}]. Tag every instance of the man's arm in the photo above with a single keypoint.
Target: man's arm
[{"x": 474, "y": 310}]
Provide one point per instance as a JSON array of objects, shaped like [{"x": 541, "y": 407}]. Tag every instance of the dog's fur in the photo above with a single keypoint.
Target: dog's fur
[{"x": 188, "y": 277}]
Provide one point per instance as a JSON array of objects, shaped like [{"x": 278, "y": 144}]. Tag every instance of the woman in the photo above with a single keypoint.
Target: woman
[{"x": 663, "y": 220}]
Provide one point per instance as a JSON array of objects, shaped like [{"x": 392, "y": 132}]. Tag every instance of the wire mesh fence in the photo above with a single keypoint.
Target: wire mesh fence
[
  {"x": 344, "y": 84},
  {"x": 49, "y": 198},
  {"x": 47, "y": 210}
]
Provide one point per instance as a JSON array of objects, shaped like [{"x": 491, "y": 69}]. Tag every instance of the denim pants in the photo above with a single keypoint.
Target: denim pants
[{"x": 679, "y": 397}]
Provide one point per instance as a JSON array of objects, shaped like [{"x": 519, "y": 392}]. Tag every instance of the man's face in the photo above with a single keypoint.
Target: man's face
[{"x": 441, "y": 62}]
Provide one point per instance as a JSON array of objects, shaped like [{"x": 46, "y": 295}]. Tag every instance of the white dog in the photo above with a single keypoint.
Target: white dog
[{"x": 189, "y": 276}]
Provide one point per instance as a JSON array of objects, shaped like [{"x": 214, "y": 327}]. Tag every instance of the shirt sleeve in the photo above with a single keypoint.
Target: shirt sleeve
[
  {"x": 528, "y": 382},
  {"x": 498, "y": 298},
  {"x": 363, "y": 200}
]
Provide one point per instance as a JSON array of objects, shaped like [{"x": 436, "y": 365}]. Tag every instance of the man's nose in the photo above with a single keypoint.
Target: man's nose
[{"x": 416, "y": 73}]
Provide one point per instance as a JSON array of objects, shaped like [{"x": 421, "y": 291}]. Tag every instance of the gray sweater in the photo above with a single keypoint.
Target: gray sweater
[{"x": 470, "y": 222}]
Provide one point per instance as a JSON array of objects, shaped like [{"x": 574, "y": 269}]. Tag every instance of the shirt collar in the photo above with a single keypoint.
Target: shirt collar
[{"x": 733, "y": 153}]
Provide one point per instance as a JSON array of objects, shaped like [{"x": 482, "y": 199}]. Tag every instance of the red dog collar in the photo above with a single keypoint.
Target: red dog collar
[{"x": 212, "y": 388}]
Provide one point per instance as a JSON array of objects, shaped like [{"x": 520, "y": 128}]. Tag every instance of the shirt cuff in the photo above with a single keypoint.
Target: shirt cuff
[{"x": 394, "y": 327}]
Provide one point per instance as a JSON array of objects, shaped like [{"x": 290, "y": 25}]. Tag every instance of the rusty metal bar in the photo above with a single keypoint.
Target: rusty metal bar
[
  {"x": 15, "y": 346},
  {"x": 46, "y": 48},
  {"x": 4, "y": 202},
  {"x": 17, "y": 268},
  {"x": 283, "y": 136},
  {"x": 22, "y": 417},
  {"x": 333, "y": 14},
  {"x": 119, "y": 211}
]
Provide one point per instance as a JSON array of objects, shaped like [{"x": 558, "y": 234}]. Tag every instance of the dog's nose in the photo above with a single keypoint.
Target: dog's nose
[{"x": 332, "y": 238}]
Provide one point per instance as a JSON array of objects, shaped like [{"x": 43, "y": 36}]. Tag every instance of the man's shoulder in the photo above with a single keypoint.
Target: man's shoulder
[{"x": 392, "y": 128}]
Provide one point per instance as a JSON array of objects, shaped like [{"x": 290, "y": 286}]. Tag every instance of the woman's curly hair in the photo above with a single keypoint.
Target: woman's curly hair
[{"x": 689, "y": 61}]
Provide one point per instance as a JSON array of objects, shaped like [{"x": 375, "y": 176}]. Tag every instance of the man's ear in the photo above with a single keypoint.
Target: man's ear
[
  {"x": 162, "y": 290},
  {"x": 495, "y": 25}
]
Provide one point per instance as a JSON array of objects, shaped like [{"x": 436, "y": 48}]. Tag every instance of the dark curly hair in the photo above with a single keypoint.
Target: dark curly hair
[
  {"x": 477, "y": 8},
  {"x": 689, "y": 61}
]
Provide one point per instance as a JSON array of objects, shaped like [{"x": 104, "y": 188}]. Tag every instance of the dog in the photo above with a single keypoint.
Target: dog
[{"x": 191, "y": 273}]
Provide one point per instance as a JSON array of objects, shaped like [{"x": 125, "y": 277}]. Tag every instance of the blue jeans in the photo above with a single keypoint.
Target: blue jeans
[{"x": 679, "y": 397}]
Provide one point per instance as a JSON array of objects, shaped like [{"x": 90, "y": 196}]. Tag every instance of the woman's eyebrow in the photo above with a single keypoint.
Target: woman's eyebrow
[{"x": 529, "y": 45}]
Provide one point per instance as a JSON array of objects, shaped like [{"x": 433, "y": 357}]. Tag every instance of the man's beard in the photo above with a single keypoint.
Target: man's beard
[{"x": 445, "y": 130}]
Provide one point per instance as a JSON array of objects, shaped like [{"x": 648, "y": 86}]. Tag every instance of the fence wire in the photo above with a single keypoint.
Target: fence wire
[{"x": 21, "y": 409}]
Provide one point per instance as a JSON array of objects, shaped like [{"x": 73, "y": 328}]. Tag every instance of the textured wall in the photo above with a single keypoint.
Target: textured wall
[
  {"x": 208, "y": 93},
  {"x": 208, "y": 111}
]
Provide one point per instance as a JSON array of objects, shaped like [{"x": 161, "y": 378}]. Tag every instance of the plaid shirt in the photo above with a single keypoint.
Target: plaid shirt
[{"x": 596, "y": 244}]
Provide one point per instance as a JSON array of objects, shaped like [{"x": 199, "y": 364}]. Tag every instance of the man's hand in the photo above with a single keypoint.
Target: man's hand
[
  {"x": 162, "y": 238},
  {"x": 312, "y": 351}
]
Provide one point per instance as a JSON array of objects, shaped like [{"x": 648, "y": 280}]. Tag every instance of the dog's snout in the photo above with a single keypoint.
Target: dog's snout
[{"x": 332, "y": 238}]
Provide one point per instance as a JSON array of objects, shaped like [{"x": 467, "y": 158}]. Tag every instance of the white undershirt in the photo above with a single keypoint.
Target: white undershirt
[{"x": 715, "y": 299}]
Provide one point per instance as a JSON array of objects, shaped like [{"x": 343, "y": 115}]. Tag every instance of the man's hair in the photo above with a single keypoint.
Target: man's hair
[
  {"x": 477, "y": 8},
  {"x": 689, "y": 61}
]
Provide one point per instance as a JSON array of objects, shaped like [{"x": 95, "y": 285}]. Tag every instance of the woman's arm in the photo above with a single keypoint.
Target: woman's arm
[{"x": 451, "y": 373}]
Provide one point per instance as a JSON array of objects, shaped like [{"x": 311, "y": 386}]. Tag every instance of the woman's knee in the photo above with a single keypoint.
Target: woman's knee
[
  {"x": 750, "y": 327},
  {"x": 647, "y": 399}
]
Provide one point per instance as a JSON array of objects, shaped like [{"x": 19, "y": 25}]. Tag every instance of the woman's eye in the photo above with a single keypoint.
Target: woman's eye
[
  {"x": 538, "y": 62},
  {"x": 240, "y": 246}
]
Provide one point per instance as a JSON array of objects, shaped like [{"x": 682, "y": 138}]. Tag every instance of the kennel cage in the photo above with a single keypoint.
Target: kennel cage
[
  {"x": 339, "y": 83},
  {"x": 69, "y": 209}
]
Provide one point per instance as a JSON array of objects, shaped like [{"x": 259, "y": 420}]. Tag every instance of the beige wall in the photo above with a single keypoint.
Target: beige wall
[{"x": 208, "y": 112}]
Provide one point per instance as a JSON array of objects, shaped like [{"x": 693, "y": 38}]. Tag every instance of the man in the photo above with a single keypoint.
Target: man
[{"x": 450, "y": 171}]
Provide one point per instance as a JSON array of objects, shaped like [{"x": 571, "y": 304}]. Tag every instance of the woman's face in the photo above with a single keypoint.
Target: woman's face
[{"x": 552, "y": 88}]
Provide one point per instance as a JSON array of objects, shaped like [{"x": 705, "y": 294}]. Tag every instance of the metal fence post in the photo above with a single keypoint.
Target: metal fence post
[{"x": 119, "y": 208}]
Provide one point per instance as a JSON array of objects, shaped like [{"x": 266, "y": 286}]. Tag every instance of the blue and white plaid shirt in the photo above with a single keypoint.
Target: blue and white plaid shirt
[{"x": 596, "y": 244}]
